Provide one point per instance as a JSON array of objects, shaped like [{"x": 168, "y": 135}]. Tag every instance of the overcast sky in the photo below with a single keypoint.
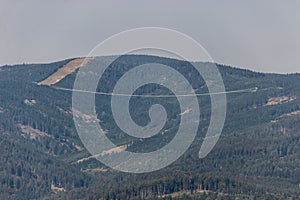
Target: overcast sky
[{"x": 258, "y": 35}]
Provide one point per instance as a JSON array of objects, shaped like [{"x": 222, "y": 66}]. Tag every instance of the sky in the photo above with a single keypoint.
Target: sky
[{"x": 258, "y": 35}]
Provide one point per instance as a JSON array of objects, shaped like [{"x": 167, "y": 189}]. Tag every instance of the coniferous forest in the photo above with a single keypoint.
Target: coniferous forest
[{"x": 256, "y": 157}]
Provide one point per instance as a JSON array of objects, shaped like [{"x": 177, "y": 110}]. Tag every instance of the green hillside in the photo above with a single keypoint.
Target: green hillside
[{"x": 256, "y": 157}]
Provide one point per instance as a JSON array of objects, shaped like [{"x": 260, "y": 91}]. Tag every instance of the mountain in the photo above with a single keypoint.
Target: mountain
[{"x": 42, "y": 156}]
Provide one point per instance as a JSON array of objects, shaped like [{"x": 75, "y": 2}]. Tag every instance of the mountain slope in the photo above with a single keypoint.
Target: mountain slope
[{"x": 43, "y": 157}]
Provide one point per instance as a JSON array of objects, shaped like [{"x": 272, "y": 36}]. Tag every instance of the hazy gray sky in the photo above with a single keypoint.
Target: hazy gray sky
[{"x": 258, "y": 35}]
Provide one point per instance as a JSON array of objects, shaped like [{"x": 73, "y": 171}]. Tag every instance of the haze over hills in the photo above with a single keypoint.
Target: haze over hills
[{"x": 42, "y": 157}]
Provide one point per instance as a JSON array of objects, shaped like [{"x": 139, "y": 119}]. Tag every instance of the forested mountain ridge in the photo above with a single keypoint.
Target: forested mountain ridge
[{"x": 42, "y": 157}]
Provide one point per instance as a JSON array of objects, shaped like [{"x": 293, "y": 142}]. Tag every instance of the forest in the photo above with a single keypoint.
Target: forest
[{"x": 42, "y": 156}]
